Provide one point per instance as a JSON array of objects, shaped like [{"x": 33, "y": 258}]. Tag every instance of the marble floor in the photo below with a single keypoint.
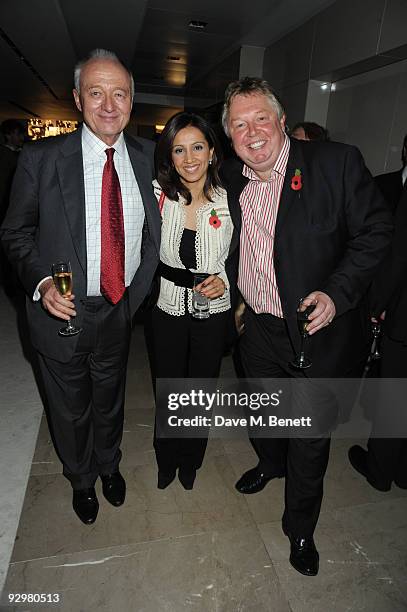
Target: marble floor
[{"x": 207, "y": 550}]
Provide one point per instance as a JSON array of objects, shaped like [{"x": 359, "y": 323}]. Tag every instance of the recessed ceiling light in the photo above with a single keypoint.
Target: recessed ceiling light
[{"x": 197, "y": 25}]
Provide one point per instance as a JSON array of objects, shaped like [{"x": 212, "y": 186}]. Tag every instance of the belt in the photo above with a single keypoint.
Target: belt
[{"x": 179, "y": 276}]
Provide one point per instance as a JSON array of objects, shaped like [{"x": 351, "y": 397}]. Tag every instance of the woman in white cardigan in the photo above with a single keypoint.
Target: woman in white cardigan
[{"x": 196, "y": 237}]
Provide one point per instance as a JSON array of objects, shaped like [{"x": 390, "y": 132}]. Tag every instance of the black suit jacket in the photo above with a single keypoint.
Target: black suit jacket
[
  {"x": 389, "y": 289},
  {"x": 8, "y": 163},
  {"x": 46, "y": 223},
  {"x": 391, "y": 186},
  {"x": 330, "y": 236}
]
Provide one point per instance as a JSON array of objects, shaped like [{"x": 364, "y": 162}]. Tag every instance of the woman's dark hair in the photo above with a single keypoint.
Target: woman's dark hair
[{"x": 167, "y": 176}]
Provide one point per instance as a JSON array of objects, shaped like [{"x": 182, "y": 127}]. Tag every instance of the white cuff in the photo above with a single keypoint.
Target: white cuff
[{"x": 37, "y": 294}]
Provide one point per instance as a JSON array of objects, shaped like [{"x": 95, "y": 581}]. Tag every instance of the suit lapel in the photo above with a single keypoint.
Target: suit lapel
[
  {"x": 235, "y": 182},
  {"x": 70, "y": 174},
  {"x": 289, "y": 196},
  {"x": 143, "y": 176}
]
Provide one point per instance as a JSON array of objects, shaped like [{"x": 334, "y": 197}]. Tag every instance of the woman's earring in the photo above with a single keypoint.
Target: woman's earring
[{"x": 210, "y": 162}]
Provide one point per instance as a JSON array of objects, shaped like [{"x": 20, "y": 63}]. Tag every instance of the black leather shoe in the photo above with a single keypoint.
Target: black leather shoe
[
  {"x": 304, "y": 556},
  {"x": 187, "y": 477},
  {"x": 400, "y": 484},
  {"x": 358, "y": 459},
  {"x": 254, "y": 481},
  {"x": 86, "y": 505},
  {"x": 165, "y": 479},
  {"x": 114, "y": 488}
]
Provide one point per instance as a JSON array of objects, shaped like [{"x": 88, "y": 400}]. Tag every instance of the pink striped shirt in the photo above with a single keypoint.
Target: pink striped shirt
[{"x": 259, "y": 202}]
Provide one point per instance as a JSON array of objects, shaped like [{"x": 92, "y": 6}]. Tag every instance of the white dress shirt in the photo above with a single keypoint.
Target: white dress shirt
[{"x": 94, "y": 159}]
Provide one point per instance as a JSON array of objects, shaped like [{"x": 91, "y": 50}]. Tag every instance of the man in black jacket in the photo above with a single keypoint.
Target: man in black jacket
[
  {"x": 313, "y": 227},
  {"x": 385, "y": 460},
  {"x": 391, "y": 183},
  {"x": 86, "y": 198}
]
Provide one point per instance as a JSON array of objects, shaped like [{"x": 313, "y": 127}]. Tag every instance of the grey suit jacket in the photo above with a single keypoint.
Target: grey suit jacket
[{"x": 46, "y": 222}]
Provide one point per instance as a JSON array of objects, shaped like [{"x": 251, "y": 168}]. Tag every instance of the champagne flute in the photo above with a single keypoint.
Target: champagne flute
[
  {"x": 62, "y": 275},
  {"x": 301, "y": 362}
]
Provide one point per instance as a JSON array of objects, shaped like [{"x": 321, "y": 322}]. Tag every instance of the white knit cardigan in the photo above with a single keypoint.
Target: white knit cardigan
[{"x": 211, "y": 249}]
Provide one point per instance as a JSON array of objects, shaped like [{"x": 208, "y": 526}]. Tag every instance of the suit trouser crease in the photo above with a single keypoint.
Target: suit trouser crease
[
  {"x": 266, "y": 351},
  {"x": 85, "y": 397},
  {"x": 387, "y": 457}
]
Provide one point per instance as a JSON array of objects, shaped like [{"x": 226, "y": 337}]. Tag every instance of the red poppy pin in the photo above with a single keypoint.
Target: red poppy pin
[
  {"x": 214, "y": 219},
  {"x": 296, "y": 181}
]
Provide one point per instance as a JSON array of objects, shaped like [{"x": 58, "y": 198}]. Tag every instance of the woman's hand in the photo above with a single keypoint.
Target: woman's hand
[
  {"x": 239, "y": 318},
  {"x": 212, "y": 287}
]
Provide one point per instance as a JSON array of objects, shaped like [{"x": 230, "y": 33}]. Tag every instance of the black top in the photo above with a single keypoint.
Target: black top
[{"x": 187, "y": 248}]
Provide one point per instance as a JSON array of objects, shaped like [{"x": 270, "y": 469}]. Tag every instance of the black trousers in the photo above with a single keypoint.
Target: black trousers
[
  {"x": 266, "y": 351},
  {"x": 387, "y": 457},
  {"x": 85, "y": 397},
  {"x": 184, "y": 347}
]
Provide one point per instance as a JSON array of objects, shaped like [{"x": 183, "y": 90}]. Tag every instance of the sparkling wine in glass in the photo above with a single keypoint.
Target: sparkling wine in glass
[
  {"x": 62, "y": 275},
  {"x": 301, "y": 362}
]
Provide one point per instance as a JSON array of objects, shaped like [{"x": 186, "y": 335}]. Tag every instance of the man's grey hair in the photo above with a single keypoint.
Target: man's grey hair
[
  {"x": 99, "y": 54},
  {"x": 246, "y": 87}
]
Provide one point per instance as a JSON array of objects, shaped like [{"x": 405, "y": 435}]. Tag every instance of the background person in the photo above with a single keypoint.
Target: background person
[
  {"x": 308, "y": 130},
  {"x": 86, "y": 197},
  {"x": 385, "y": 460},
  {"x": 13, "y": 134},
  {"x": 391, "y": 183},
  {"x": 197, "y": 235}
]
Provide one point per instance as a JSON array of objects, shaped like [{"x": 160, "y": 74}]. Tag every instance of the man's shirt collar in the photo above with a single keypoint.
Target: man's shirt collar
[{"x": 95, "y": 147}]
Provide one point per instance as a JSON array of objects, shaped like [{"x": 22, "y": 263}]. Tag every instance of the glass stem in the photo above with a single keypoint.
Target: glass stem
[
  {"x": 69, "y": 325},
  {"x": 302, "y": 352}
]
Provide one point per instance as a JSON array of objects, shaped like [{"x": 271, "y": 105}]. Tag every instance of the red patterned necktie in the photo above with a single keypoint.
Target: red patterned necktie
[{"x": 112, "y": 234}]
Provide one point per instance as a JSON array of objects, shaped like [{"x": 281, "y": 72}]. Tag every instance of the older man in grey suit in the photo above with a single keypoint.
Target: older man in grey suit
[{"x": 86, "y": 198}]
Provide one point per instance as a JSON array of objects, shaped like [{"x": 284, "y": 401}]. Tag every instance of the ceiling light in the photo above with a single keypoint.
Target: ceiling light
[{"x": 197, "y": 25}]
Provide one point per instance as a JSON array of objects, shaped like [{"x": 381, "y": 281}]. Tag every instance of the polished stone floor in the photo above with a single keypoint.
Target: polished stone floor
[{"x": 207, "y": 550}]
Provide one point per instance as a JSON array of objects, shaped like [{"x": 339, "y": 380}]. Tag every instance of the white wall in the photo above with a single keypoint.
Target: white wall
[
  {"x": 367, "y": 38},
  {"x": 370, "y": 111}
]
